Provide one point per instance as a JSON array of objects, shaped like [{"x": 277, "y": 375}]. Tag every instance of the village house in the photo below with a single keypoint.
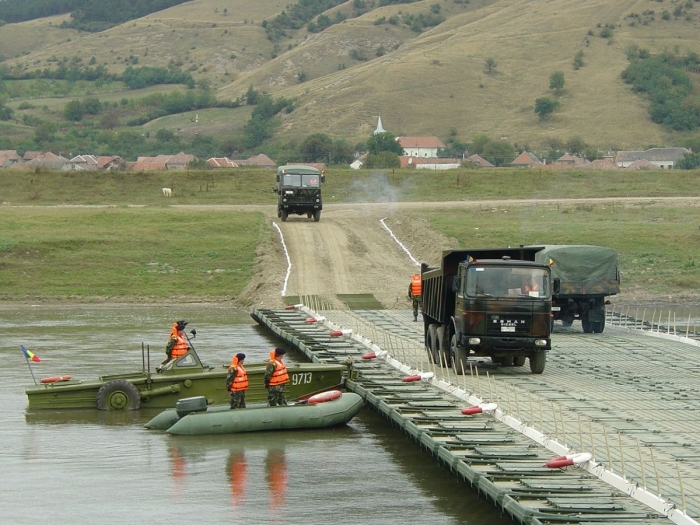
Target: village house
[
  {"x": 49, "y": 161},
  {"x": 425, "y": 147},
  {"x": 9, "y": 158},
  {"x": 526, "y": 160},
  {"x": 663, "y": 158},
  {"x": 478, "y": 161},
  {"x": 261, "y": 161}
]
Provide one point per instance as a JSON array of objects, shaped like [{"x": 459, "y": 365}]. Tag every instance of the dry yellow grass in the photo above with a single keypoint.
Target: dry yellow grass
[{"x": 424, "y": 84}]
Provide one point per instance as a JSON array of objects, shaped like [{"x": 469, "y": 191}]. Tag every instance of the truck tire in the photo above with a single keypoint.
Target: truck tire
[
  {"x": 459, "y": 357},
  {"x": 317, "y": 215},
  {"x": 444, "y": 342},
  {"x": 431, "y": 344},
  {"x": 586, "y": 324},
  {"x": 537, "y": 361},
  {"x": 284, "y": 215},
  {"x": 599, "y": 326}
]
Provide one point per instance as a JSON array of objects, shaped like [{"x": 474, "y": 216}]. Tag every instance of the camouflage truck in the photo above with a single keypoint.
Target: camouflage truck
[
  {"x": 298, "y": 190},
  {"x": 586, "y": 277},
  {"x": 487, "y": 302}
]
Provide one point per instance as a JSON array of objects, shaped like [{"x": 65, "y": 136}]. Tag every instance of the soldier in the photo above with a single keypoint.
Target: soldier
[
  {"x": 178, "y": 344},
  {"x": 276, "y": 378},
  {"x": 237, "y": 381},
  {"x": 414, "y": 292}
]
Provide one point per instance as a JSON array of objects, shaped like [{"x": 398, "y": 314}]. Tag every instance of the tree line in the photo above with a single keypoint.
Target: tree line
[{"x": 86, "y": 15}]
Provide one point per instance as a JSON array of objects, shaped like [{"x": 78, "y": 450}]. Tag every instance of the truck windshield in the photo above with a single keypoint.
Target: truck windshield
[
  {"x": 497, "y": 281},
  {"x": 296, "y": 180}
]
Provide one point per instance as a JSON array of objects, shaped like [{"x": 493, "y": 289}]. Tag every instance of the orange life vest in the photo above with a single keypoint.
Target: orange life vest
[
  {"x": 280, "y": 375},
  {"x": 240, "y": 382},
  {"x": 180, "y": 347},
  {"x": 415, "y": 284}
]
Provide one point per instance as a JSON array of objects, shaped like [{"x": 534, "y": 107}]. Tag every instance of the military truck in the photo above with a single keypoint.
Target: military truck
[
  {"x": 487, "y": 302},
  {"x": 298, "y": 190},
  {"x": 586, "y": 277}
]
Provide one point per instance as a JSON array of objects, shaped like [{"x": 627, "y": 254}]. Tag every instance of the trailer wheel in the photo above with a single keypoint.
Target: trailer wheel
[
  {"x": 459, "y": 357},
  {"x": 537, "y": 361},
  {"x": 519, "y": 360},
  {"x": 431, "y": 345},
  {"x": 567, "y": 322},
  {"x": 309, "y": 214}
]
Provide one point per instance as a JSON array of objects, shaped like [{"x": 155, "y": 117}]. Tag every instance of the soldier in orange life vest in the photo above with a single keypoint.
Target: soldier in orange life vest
[
  {"x": 414, "y": 291},
  {"x": 237, "y": 381},
  {"x": 276, "y": 377},
  {"x": 177, "y": 345}
]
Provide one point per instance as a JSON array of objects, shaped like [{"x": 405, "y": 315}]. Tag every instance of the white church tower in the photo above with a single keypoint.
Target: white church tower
[{"x": 379, "y": 129}]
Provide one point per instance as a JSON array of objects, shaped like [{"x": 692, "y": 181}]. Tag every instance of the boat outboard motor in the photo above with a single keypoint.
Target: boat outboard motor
[{"x": 190, "y": 405}]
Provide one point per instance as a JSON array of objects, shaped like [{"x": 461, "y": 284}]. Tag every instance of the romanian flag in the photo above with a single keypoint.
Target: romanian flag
[
  {"x": 470, "y": 259},
  {"x": 30, "y": 355},
  {"x": 550, "y": 262}
]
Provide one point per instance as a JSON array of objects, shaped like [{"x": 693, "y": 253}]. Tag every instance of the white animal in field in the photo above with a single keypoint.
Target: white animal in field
[{"x": 167, "y": 192}]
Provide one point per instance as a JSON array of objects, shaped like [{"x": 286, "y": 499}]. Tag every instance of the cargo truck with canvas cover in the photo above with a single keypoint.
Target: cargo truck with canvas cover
[
  {"x": 298, "y": 190},
  {"x": 487, "y": 302},
  {"x": 586, "y": 276}
]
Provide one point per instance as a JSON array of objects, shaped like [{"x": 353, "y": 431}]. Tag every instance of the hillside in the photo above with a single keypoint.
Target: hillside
[{"x": 420, "y": 83}]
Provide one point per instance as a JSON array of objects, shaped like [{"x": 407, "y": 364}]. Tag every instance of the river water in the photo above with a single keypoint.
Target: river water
[{"x": 104, "y": 467}]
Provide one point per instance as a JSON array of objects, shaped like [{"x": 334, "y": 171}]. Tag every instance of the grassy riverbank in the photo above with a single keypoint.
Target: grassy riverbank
[
  {"x": 140, "y": 249},
  {"x": 255, "y": 186},
  {"x": 126, "y": 253}
]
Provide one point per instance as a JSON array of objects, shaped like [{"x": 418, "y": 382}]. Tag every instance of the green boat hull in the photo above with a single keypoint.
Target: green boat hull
[
  {"x": 222, "y": 420},
  {"x": 186, "y": 378}
]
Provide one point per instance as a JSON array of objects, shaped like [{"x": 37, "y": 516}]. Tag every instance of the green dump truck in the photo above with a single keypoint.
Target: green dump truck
[
  {"x": 487, "y": 302},
  {"x": 298, "y": 190},
  {"x": 586, "y": 277}
]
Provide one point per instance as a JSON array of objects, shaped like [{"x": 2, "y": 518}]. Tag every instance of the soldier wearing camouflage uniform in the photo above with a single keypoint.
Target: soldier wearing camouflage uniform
[
  {"x": 237, "y": 381},
  {"x": 276, "y": 378}
]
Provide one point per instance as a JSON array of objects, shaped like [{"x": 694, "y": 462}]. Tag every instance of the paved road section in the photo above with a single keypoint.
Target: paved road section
[{"x": 628, "y": 399}]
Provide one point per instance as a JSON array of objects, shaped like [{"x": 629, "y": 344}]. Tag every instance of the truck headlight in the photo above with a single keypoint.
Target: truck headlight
[
  {"x": 474, "y": 341},
  {"x": 540, "y": 342}
]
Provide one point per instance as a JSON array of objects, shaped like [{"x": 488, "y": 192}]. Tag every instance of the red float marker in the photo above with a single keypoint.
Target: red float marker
[
  {"x": 478, "y": 409},
  {"x": 568, "y": 460},
  {"x": 338, "y": 333},
  {"x": 410, "y": 379}
]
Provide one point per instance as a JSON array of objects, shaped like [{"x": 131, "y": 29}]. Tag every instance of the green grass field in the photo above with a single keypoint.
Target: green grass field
[{"x": 138, "y": 247}]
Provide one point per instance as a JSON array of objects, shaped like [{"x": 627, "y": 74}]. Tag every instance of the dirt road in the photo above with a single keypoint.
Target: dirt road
[{"x": 350, "y": 252}]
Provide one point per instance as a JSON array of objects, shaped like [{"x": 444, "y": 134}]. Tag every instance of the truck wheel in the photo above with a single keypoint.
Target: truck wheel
[
  {"x": 519, "y": 360},
  {"x": 586, "y": 324},
  {"x": 431, "y": 345},
  {"x": 459, "y": 357},
  {"x": 537, "y": 361},
  {"x": 118, "y": 394},
  {"x": 284, "y": 215},
  {"x": 599, "y": 326},
  {"x": 317, "y": 215},
  {"x": 443, "y": 338},
  {"x": 567, "y": 322}
]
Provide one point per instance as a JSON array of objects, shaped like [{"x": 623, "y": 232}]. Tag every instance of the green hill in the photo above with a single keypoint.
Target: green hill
[{"x": 421, "y": 81}]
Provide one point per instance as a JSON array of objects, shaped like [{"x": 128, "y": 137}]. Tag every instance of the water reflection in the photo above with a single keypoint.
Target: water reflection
[
  {"x": 276, "y": 470},
  {"x": 237, "y": 471}
]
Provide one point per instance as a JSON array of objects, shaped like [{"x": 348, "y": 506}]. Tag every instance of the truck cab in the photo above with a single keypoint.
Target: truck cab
[{"x": 298, "y": 190}]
